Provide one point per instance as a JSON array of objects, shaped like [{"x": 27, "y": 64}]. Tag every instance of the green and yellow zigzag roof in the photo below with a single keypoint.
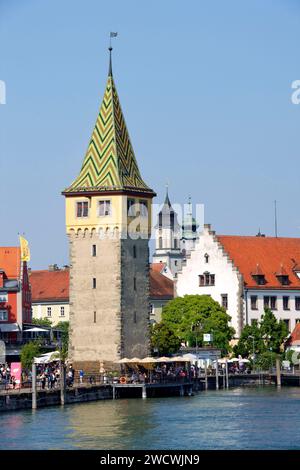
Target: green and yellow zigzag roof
[{"x": 109, "y": 163}]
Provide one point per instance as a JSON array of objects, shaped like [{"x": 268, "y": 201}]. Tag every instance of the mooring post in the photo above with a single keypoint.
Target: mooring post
[
  {"x": 33, "y": 385},
  {"x": 205, "y": 373},
  {"x": 62, "y": 383},
  {"x": 217, "y": 374},
  {"x": 227, "y": 375},
  {"x": 114, "y": 392},
  {"x": 144, "y": 392},
  {"x": 278, "y": 372}
]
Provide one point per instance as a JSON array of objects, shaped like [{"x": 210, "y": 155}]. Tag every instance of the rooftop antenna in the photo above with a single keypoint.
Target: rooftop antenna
[{"x": 275, "y": 217}]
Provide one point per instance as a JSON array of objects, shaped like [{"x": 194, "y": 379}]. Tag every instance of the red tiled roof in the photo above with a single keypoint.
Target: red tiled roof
[
  {"x": 161, "y": 287},
  {"x": 49, "y": 285},
  {"x": 54, "y": 285},
  {"x": 10, "y": 261},
  {"x": 269, "y": 253},
  {"x": 295, "y": 336},
  {"x": 158, "y": 267}
]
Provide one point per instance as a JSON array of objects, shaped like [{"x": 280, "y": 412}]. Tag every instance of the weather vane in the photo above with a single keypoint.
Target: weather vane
[{"x": 112, "y": 35}]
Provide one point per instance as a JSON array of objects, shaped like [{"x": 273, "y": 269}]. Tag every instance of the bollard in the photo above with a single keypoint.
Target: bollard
[
  {"x": 62, "y": 383},
  {"x": 33, "y": 385},
  {"x": 217, "y": 374},
  {"x": 205, "y": 372},
  {"x": 144, "y": 392},
  {"x": 278, "y": 372},
  {"x": 227, "y": 375}
]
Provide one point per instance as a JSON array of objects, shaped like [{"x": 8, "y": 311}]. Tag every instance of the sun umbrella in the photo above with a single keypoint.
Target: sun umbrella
[
  {"x": 35, "y": 329},
  {"x": 179, "y": 359},
  {"x": 122, "y": 361},
  {"x": 164, "y": 359},
  {"x": 134, "y": 360},
  {"x": 148, "y": 360}
]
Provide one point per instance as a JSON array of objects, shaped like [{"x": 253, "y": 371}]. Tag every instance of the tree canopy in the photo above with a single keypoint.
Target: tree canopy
[
  {"x": 268, "y": 334},
  {"x": 41, "y": 321},
  {"x": 28, "y": 352},
  {"x": 63, "y": 326},
  {"x": 189, "y": 317},
  {"x": 164, "y": 340}
]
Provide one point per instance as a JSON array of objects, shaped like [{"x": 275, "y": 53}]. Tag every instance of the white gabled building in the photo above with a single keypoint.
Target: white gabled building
[{"x": 245, "y": 274}]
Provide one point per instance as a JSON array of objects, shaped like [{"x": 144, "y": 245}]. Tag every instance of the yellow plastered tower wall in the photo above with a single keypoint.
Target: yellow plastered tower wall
[{"x": 108, "y": 222}]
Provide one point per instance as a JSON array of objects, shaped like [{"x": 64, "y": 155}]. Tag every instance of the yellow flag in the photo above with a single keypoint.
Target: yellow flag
[{"x": 25, "y": 252}]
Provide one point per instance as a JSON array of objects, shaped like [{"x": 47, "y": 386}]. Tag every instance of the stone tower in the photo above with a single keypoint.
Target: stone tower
[
  {"x": 167, "y": 238},
  {"x": 108, "y": 222}
]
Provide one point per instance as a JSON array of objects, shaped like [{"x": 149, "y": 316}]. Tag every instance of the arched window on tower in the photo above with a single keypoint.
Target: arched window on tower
[
  {"x": 175, "y": 243},
  {"x": 206, "y": 258},
  {"x": 160, "y": 242}
]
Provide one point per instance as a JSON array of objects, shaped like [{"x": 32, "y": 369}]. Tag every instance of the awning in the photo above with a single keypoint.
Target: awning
[
  {"x": 9, "y": 327},
  {"x": 35, "y": 330}
]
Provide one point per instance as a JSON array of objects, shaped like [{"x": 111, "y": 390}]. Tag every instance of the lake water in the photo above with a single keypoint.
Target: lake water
[{"x": 241, "y": 418}]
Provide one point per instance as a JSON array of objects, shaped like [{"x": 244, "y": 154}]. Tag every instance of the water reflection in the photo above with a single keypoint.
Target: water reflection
[
  {"x": 111, "y": 424},
  {"x": 257, "y": 418}
]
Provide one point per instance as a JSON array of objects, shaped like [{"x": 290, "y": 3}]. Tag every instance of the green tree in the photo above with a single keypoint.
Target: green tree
[
  {"x": 250, "y": 341},
  {"x": 41, "y": 322},
  {"x": 273, "y": 332},
  {"x": 28, "y": 352},
  {"x": 269, "y": 334},
  {"x": 63, "y": 326},
  {"x": 266, "y": 360},
  {"x": 164, "y": 339},
  {"x": 191, "y": 316}
]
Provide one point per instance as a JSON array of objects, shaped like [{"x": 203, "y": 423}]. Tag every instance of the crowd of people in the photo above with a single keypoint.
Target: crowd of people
[{"x": 6, "y": 379}]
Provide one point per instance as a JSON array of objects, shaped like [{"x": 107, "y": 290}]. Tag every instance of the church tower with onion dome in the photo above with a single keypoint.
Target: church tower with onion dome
[{"x": 108, "y": 223}]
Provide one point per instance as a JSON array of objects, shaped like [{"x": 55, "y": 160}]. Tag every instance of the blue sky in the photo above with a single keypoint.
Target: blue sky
[{"x": 206, "y": 92}]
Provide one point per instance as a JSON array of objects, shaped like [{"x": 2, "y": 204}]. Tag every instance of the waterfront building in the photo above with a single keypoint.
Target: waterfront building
[
  {"x": 50, "y": 293},
  {"x": 108, "y": 222},
  {"x": 245, "y": 274},
  {"x": 161, "y": 291},
  {"x": 15, "y": 297}
]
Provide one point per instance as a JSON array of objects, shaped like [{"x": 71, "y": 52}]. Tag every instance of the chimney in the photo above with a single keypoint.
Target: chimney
[
  {"x": 53, "y": 267},
  {"x": 259, "y": 234}
]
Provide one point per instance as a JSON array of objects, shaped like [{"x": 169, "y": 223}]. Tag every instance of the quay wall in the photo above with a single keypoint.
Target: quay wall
[{"x": 23, "y": 400}]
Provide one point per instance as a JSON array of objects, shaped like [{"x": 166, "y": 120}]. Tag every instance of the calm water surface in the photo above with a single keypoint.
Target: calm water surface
[{"x": 242, "y": 418}]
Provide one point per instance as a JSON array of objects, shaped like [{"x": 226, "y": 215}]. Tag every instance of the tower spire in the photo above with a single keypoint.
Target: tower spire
[{"x": 110, "y": 74}]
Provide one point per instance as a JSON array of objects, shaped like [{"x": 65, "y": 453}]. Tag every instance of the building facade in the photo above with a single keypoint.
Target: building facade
[
  {"x": 15, "y": 294},
  {"x": 50, "y": 294},
  {"x": 245, "y": 275},
  {"x": 108, "y": 222}
]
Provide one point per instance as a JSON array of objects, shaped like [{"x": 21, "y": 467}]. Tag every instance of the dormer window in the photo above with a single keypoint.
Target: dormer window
[
  {"x": 296, "y": 268},
  {"x": 258, "y": 276},
  {"x": 259, "y": 279},
  {"x": 283, "y": 279},
  {"x": 283, "y": 276}
]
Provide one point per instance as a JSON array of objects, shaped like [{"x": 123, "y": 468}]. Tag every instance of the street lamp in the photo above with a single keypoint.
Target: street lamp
[{"x": 194, "y": 327}]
